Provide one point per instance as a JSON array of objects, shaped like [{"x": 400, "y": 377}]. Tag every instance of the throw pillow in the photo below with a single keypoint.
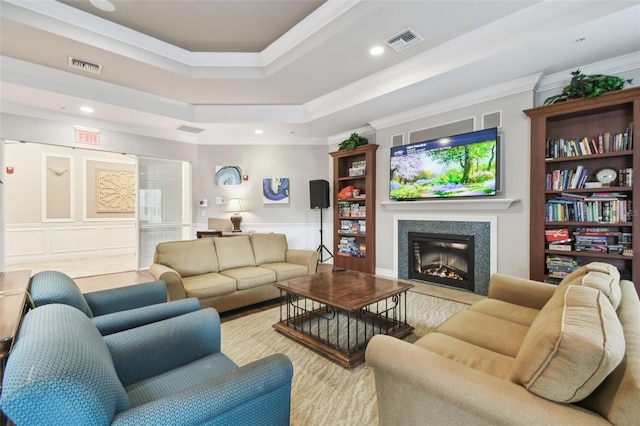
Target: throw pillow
[{"x": 573, "y": 344}]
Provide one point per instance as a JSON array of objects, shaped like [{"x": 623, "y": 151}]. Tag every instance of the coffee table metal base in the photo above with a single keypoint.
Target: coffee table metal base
[{"x": 341, "y": 335}]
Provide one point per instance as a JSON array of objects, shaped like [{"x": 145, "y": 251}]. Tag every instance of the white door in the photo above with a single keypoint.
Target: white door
[{"x": 164, "y": 205}]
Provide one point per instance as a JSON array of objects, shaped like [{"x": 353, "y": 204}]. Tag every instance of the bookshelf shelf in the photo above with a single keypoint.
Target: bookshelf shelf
[
  {"x": 603, "y": 219},
  {"x": 354, "y": 242}
]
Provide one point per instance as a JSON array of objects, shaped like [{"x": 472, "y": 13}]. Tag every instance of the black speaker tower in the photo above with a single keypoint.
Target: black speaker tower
[{"x": 319, "y": 199}]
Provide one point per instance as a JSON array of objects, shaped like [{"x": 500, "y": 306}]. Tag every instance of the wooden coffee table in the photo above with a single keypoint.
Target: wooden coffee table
[{"x": 337, "y": 313}]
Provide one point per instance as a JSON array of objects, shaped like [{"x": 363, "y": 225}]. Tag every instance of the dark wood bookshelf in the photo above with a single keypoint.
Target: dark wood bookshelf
[
  {"x": 342, "y": 162},
  {"x": 611, "y": 112}
]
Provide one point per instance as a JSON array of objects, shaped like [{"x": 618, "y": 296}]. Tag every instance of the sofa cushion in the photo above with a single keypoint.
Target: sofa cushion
[
  {"x": 209, "y": 285},
  {"x": 571, "y": 347},
  {"x": 507, "y": 311},
  {"x": 598, "y": 275},
  {"x": 234, "y": 252},
  {"x": 269, "y": 248},
  {"x": 250, "y": 276},
  {"x": 188, "y": 258},
  {"x": 485, "y": 331},
  {"x": 465, "y": 353},
  {"x": 286, "y": 271}
]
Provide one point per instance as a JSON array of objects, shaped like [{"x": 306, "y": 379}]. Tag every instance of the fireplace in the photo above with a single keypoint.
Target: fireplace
[{"x": 442, "y": 259}]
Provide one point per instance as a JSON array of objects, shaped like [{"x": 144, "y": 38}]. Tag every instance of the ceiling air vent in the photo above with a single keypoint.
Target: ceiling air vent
[
  {"x": 403, "y": 40},
  {"x": 85, "y": 66},
  {"x": 190, "y": 129}
]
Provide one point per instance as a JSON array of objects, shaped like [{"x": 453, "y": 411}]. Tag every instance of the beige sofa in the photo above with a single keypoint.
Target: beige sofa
[
  {"x": 531, "y": 353},
  {"x": 229, "y": 272}
]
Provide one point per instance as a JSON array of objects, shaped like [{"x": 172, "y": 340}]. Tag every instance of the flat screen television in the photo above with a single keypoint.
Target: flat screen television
[{"x": 464, "y": 165}]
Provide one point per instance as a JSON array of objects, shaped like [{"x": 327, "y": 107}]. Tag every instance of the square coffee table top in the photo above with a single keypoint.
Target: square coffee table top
[{"x": 346, "y": 290}]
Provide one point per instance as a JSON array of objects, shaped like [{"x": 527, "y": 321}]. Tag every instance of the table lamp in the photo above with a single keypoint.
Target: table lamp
[{"x": 235, "y": 206}]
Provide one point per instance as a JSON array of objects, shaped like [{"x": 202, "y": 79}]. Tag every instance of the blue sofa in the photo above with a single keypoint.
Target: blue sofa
[
  {"x": 110, "y": 310},
  {"x": 63, "y": 371}
]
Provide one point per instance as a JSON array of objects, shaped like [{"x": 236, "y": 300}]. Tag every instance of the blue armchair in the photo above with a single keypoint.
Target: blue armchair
[
  {"x": 62, "y": 371},
  {"x": 110, "y": 310}
]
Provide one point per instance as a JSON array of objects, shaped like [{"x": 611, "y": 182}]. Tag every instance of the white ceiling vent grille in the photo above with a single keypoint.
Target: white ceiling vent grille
[
  {"x": 85, "y": 66},
  {"x": 404, "y": 40},
  {"x": 190, "y": 129}
]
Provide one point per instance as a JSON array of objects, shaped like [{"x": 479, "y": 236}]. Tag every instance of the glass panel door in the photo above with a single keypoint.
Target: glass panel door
[{"x": 164, "y": 205}]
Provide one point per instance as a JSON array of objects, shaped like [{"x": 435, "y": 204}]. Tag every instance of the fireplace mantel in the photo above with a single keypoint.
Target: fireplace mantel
[{"x": 457, "y": 204}]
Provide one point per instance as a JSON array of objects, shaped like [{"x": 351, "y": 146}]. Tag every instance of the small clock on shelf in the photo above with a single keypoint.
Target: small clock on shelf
[{"x": 606, "y": 175}]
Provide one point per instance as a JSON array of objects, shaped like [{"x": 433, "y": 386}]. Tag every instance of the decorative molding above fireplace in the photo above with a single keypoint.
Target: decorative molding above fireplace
[{"x": 472, "y": 204}]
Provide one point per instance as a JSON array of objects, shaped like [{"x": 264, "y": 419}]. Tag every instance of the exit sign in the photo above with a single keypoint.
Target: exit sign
[{"x": 87, "y": 136}]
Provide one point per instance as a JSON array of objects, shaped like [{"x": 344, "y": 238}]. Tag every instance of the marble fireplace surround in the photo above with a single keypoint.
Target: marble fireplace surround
[{"x": 484, "y": 228}]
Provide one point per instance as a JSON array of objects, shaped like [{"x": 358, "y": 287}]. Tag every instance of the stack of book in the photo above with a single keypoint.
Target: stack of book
[
  {"x": 353, "y": 227},
  {"x": 561, "y": 266},
  {"x": 558, "y": 239},
  {"x": 349, "y": 246},
  {"x": 601, "y": 240}
]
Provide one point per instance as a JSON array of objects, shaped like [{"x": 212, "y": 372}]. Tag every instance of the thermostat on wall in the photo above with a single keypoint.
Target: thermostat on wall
[{"x": 204, "y": 203}]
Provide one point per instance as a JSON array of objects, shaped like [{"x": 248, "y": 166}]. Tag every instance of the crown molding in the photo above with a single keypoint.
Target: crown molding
[
  {"x": 502, "y": 90},
  {"x": 612, "y": 66}
]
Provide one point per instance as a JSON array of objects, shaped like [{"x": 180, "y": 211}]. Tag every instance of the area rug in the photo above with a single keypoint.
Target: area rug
[{"x": 322, "y": 391}]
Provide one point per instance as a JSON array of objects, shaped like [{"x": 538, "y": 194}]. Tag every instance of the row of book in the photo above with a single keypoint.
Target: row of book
[
  {"x": 603, "y": 142},
  {"x": 349, "y": 246},
  {"x": 353, "y": 227},
  {"x": 347, "y": 209},
  {"x": 605, "y": 207},
  {"x": 559, "y": 180}
]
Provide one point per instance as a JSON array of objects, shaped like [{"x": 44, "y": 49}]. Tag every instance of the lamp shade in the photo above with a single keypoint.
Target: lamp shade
[{"x": 235, "y": 205}]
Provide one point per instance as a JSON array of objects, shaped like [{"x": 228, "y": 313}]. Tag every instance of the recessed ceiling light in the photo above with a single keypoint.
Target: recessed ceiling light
[
  {"x": 258, "y": 131},
  {"x": 376, "y": 50},
  {"x": 86, "y": 109},
  {"x": 105, "y": 5}
]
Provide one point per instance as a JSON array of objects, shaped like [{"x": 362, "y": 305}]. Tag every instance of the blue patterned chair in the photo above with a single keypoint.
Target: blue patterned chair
[
  {"x": 110, "y": 310},
  {"x": 63, "y": 371}
]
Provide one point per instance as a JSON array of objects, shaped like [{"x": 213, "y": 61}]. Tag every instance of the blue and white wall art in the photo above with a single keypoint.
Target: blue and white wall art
[{"x": 275, "y": 190}]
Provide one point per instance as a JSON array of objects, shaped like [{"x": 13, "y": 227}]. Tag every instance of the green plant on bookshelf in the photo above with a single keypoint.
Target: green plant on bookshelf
[
  {"x": 588, "y": 87},
  {"x": 353, "y": 142}
]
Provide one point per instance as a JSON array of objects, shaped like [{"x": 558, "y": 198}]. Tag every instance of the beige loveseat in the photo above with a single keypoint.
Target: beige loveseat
[
  {"x": 230, "y": 272},
  {"x": 531, "y": 353}
]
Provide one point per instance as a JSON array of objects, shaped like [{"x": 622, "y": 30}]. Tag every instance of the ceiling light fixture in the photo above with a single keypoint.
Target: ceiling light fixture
[
  {"x": 86, "y": 109},
  {"x": 258, "y": 131},
  {"x": 105, "y": 5},
  {"x": 376, "y": 50}
]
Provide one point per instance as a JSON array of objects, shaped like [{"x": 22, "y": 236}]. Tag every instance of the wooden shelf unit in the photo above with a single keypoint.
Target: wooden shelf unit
[
  {"x": 359, "y": 211},
  {"x": 611, "y": 112}
]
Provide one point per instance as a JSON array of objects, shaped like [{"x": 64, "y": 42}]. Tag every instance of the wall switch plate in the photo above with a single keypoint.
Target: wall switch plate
[{"x": 220, "y": 200}]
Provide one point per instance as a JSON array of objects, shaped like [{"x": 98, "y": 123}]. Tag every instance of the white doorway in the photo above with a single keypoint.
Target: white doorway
[{"x": 75, "y": 210}]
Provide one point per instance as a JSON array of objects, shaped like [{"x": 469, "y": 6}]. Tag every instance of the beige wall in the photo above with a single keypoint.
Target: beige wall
[{"x": 50, "y": 204}]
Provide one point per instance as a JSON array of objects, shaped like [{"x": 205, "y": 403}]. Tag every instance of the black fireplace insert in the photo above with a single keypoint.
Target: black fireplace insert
[{"x": 442, "y": 259}]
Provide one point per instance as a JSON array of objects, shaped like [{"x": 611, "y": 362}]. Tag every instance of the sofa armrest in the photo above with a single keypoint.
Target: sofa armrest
[
  {"x": 125, "y": 320},
  {"x": 414, "y": 384},
  {"x": 308, "y": 258},
  {"x": 257, "y": 393},
  {"x": 124, "y": 298},
  {"x": 173, "y": 280},
  {"x": 520, "y": 291},
  {"x": 156, "y": 348}
]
